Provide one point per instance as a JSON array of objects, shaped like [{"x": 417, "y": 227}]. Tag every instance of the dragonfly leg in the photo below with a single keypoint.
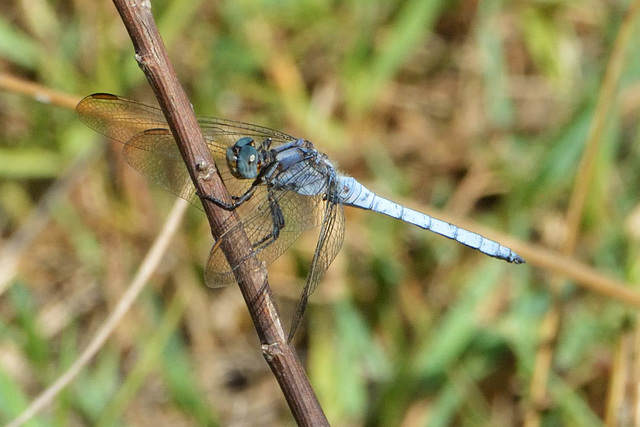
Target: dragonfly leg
[
  {"x": 263, "y": 176},
  {"x": 237, "y": 200},
  {"x": 266, "y": 144},
  {"x": 278, "y": 224}
]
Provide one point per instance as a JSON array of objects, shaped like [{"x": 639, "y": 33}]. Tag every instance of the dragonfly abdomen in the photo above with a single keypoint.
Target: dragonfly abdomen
[{"x": 352, "y": 193}]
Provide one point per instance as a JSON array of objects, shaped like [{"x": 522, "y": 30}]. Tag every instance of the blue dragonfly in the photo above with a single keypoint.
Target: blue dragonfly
[{"x": 280, "y": 186}]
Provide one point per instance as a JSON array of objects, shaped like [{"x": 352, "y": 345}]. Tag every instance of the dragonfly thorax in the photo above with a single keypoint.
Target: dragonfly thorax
[{"x": 243, "y": 159}]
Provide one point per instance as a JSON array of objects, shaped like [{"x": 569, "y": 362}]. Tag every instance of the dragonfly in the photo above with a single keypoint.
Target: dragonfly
[{"x": 280, "y": 186}]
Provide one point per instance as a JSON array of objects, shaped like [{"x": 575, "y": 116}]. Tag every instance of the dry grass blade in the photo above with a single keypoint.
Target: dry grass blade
[
  {"x": 148, "y": 266},
  {"x": 552, "y": 323},
  {"x": 16, "y": 247}
]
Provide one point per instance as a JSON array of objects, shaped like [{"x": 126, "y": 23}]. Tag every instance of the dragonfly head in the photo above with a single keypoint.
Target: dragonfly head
[{"x": 243, "y": 159}]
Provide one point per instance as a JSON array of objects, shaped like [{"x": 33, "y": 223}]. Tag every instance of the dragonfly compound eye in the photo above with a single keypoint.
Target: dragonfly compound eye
[{"x": 242, "y": 159}]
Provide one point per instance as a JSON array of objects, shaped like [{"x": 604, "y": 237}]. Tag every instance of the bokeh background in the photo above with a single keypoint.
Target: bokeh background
[{"x": 519, "y": 116}]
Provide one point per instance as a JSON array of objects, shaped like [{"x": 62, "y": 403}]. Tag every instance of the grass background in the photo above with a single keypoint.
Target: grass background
[{"x": 497, "y": 111}]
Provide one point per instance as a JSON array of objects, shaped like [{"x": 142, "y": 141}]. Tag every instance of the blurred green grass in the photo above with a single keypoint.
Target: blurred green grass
[{"x": 479, "y": 108}]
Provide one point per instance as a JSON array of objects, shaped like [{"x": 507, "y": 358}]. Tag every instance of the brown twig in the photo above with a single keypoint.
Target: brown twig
[{"x": 251, "y": 275}]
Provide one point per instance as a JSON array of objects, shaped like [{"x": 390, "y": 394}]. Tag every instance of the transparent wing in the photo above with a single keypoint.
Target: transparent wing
[
  {"x": 122, "y": 118},
  {"x": 118, "y": 118},
  {"x": 227, "y": 132},
  {"x": 329, "y": 243},
  {"x": 149, "y": 146},
  {"x": 155, "y": 154},
  {"x": 299, "y": 212}
]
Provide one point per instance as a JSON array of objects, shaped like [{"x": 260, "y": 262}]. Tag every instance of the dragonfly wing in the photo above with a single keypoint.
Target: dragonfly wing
[
  {"x": 300, "y": 213},
  {"x": 227, "y": 132},
  {"x": 149, "y": 145},
  {"x": 121, "y": 118},
  {"x": 155, "y": 154},
  {"x": 117, "y": 117},
  {"x": 329, "y": 243}
]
